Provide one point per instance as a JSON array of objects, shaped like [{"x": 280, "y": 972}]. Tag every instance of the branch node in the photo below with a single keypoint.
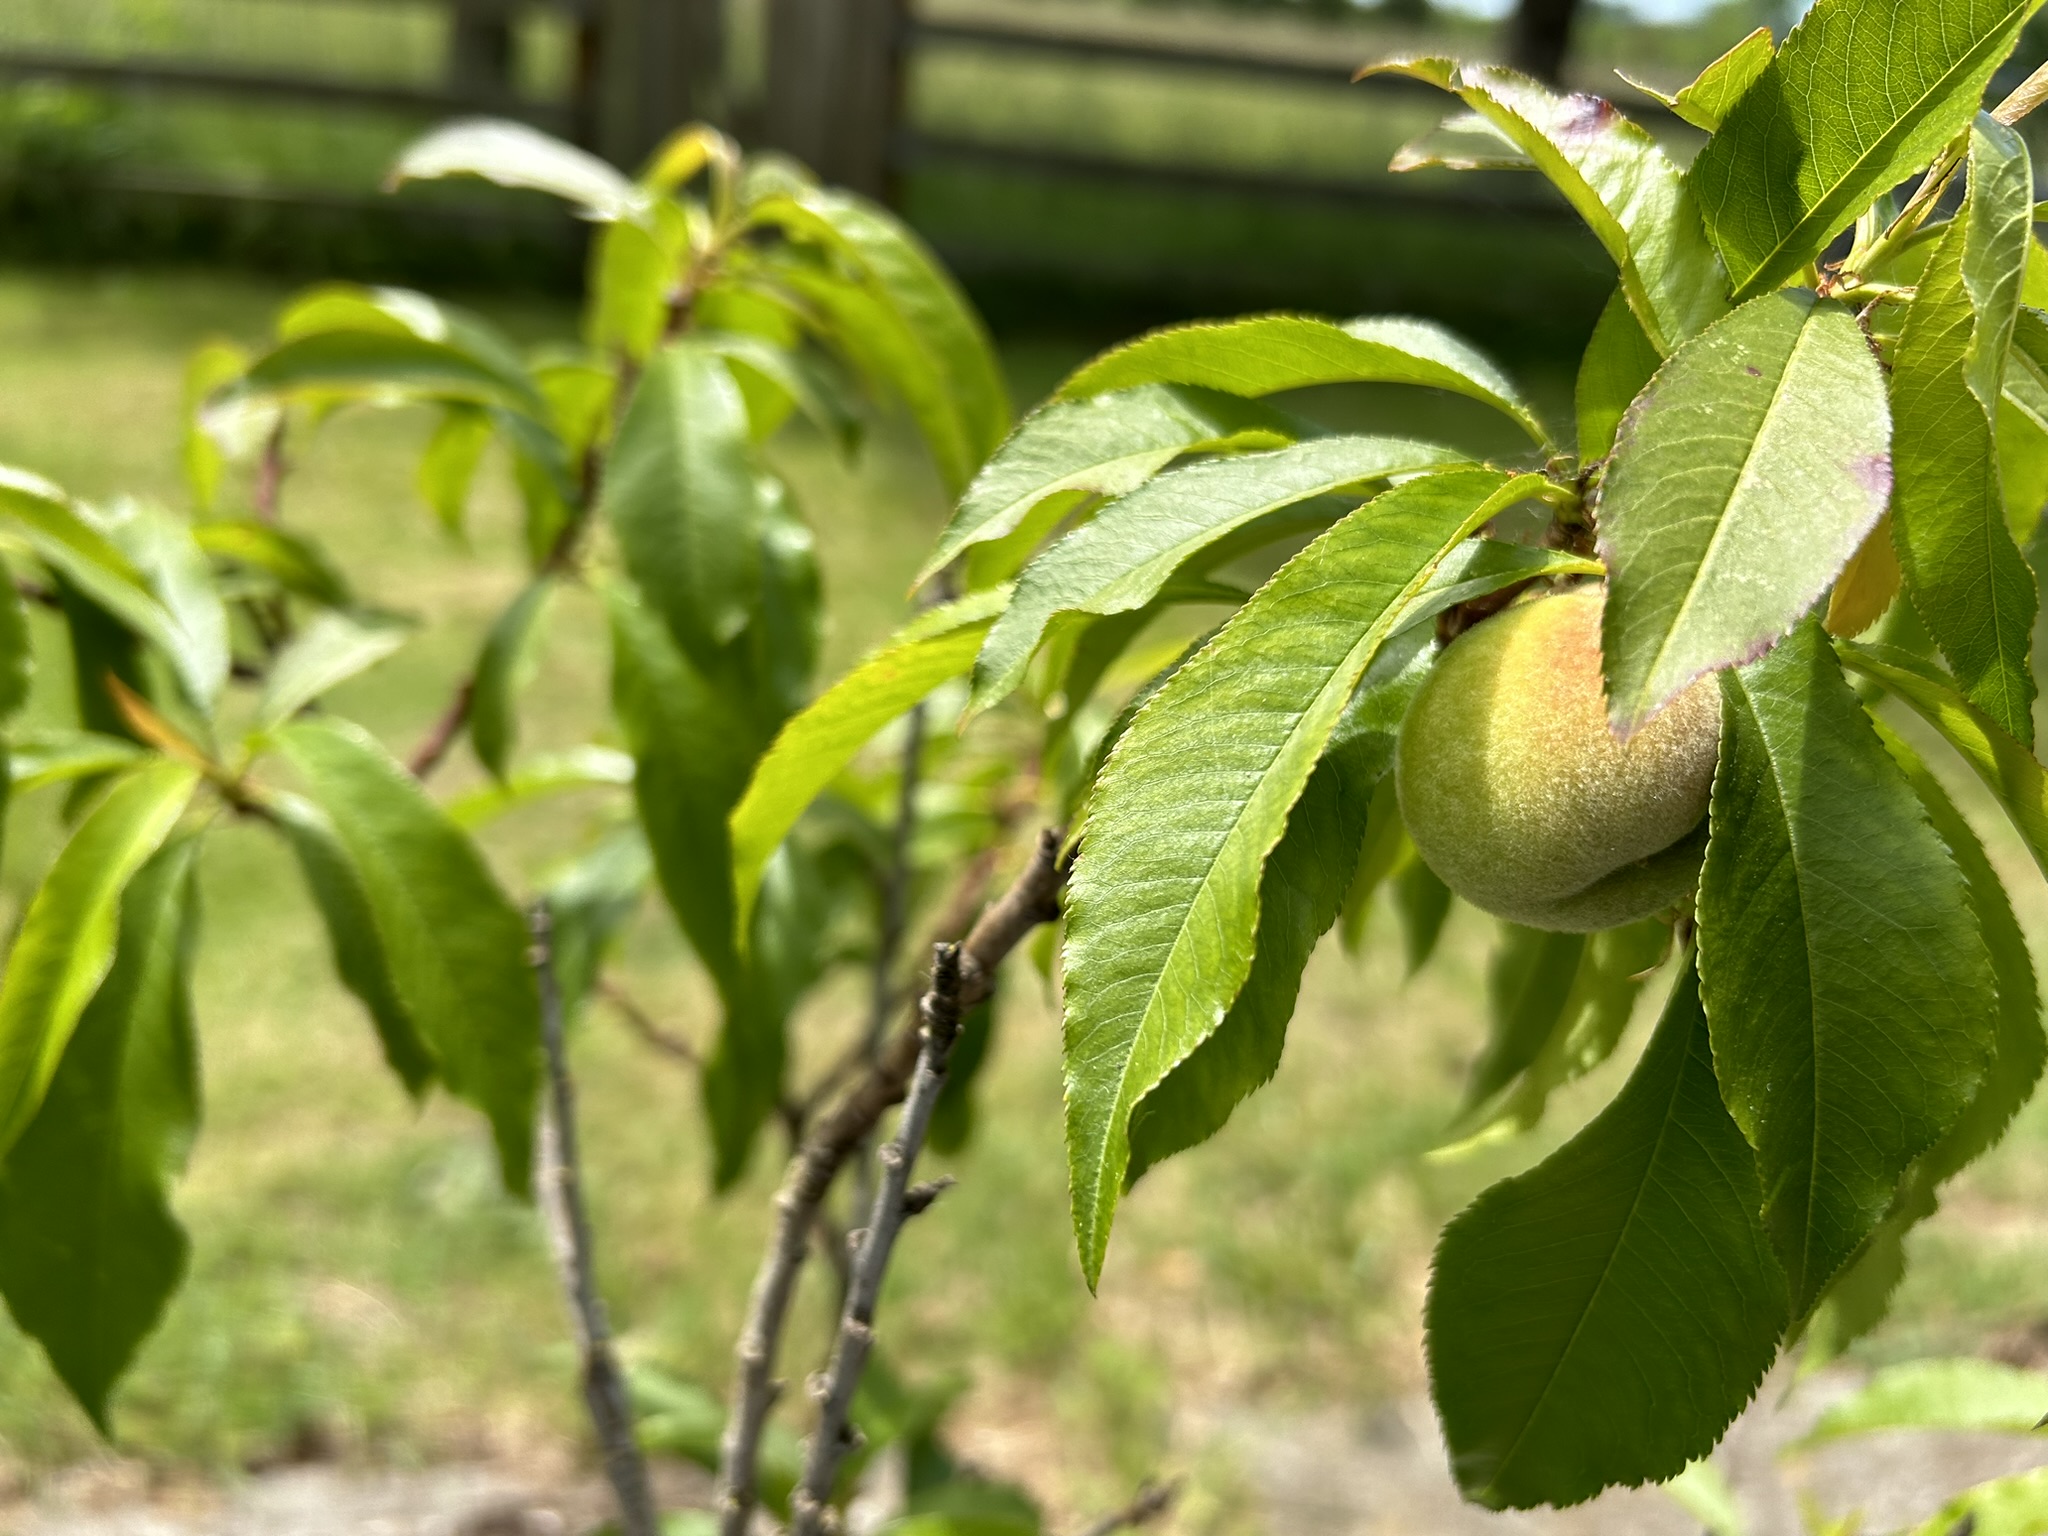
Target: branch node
[{"x": 920, "y": 1198}]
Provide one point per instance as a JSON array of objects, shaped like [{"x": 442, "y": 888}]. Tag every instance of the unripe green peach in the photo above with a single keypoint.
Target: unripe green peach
[{"x": 1522, "y": 800}]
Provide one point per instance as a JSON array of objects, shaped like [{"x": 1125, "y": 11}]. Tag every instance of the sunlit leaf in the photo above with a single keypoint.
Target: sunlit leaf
[
  {"x": 1960, "y": 1395},
  {"x": 1122, "y": 559},
  {"x": 65, "y": 944},
  {"x": 1862, "y": 93},
  {"x": 514, "y": 155},
  {"x": 331, "y": 649},
  {"x": 296, "y": 563},
  {"x": 1631, "y": 195},
  {"x": 1707, "y": 102},
  {"x": 814, "y": 746},
  {"x": 1264, "y": 354},
  {"x": 1967, "y": 579},
  {"x": 1303, "y": 888},
  {"x": 90, "y": 1250},
  {"x": 448, "y": 466},
  {"x": 1105, "y": 445},
  {"x": 1744, "y": 478},
  {"x": 1159, "y": 928}
]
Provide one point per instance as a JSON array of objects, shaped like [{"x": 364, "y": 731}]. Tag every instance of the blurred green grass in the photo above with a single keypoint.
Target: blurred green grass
[{"x": 358, "y": 1282}]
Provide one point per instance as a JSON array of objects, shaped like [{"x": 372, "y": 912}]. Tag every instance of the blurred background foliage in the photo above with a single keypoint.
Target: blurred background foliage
[{"x": 360, "y": 1288}]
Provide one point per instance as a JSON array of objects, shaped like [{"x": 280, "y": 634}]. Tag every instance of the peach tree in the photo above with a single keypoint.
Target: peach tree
[{"x": 1635, "y": 690}]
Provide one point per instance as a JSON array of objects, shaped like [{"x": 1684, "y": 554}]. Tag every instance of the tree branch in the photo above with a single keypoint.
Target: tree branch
[
  {"x": 440, "y": 738},
  {"x": 560, "y": 1190},
  {"x": 1032, "y": 899},
  {"x": 1153, "y": 1500},
  {"x": 665, "y": 1040},
  {"x": 811, "y": 1504}
]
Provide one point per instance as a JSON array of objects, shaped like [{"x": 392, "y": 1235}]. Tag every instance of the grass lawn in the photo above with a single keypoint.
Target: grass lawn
[{"x": 359, "y": 1282}]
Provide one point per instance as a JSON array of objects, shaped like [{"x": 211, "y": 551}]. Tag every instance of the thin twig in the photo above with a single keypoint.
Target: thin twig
[
  {"x": 440, "y": 738},
  {"x": 263, "y": 495},
  {"x": 561, "y": 1201},
  {"x": 643, "y": 1024},
  {"x": 1032, "y": 899},
  {"x": 1153, "y": 1500},
  {"x": 811, "y": 1504}
]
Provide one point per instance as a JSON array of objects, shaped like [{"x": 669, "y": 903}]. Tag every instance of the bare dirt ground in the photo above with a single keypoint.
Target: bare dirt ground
[{"x": 1332, "y": 1473}]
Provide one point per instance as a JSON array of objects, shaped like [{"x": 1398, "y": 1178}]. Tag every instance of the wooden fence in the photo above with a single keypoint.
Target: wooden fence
[{"x": 834, "y": 87}]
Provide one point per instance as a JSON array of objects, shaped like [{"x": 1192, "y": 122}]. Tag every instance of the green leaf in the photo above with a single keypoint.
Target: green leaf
[
  {"x": 1589, "y": 1026},
  {"x": 1481, "y": 567},
  {"x": 1423, "y": 903},
  {"x": 1464, "y": 141},
  {"x": 1263, "y": 354},
  {"x": 681, "y": 496},
  {"x": 65, "y": 944},
  {"x": 454, "y": 942},
  {"x": 1861, "y": 1295},
  {"x": 90, "y": 1250},
  {"x": 514, "y": 155},
  {"x": 351, "y": 362},
  {"x": 331, "y": 649},
  {"x": 194, "y": 634},
  {"x": 2007, "y": 768},
  {"x": 449, "y": 464},
  {"x": 1962, "y": 1395},
  {"x": 17, "y": 649},
  {"x": 589, "y": 904},
  {"x": 297, "y": 564},
  {"x": 39, "y": 758},
  {"x": 1707, "y": 102},
  {"x": 784, "y": 637},
  {"x": 1851, "y": 995},
  {"x": 2006, "y": 1506},
  {"x": 212, "y": 365},
  {"x": 1528, "y": 987},
  {"x": 1121, "y": 560},
  {"x": 1301, "y": 892},
  {"x": 1703, "y": 1492},
  {"x": 812, "y": 749},
  {"x": 691, "y": 756},
  {"x": 1862, "y": 93},
  {"x": 1106, "y": 445},
  {"x": 1633, "y": 198},
  {"x": 505, "y": 667},
  {"x": 1159, "y": 929},
  {"x": 631, "y": 271},
  {"x": 1602, "y": 1318},
  {"x": 892, "y": 307},
  {"x": 1745, "y": 477},
  {"x": 337, "y": 888},
  {"x": 538, "y": 777},
  {"x": 1617, "y": 364},
  {"x": 1967, "y": 579},
  {"x": 82, "y": 555}
]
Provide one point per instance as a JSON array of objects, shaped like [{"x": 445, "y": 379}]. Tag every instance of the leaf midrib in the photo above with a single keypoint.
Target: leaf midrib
[{"x": 1812, "y": 988}]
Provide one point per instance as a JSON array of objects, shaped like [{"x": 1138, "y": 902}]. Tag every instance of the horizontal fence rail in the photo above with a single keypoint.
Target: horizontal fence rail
[{"x": 317, "y": 90}]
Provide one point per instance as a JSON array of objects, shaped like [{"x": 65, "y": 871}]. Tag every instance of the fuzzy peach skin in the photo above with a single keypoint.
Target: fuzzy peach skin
[{"x": 1522, "y": 800}]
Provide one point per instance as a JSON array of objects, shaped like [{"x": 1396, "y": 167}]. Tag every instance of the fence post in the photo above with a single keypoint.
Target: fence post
[
  {"x": 480, "y": 50},
  {"x": 662, "y": 65},
  {"x": 835, "y": 86}
]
